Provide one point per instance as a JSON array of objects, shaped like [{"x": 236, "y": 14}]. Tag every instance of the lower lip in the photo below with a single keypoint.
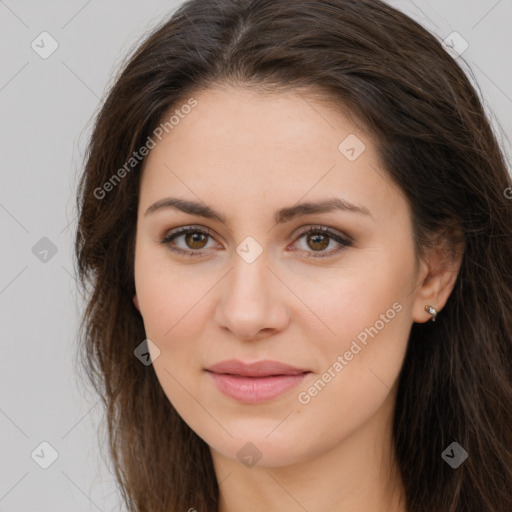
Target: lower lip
[{"x": 254, "y": 390}]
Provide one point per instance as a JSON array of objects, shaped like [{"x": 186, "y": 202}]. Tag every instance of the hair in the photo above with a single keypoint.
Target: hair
[{"x": 435, "y": 142}]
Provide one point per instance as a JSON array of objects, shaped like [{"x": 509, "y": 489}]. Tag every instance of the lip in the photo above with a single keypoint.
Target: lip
[
  {"x": 264, "y": 368},
  {"x": 256, "y": 382}
]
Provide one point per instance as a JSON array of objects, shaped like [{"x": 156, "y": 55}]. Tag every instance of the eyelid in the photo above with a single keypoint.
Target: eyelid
[
  {"x": 322, "y": 229},
  {"x": 187, "y": 229}
]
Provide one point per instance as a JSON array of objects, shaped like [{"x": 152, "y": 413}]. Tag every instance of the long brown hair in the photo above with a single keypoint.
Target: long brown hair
[{"x": 437, "y": 145}]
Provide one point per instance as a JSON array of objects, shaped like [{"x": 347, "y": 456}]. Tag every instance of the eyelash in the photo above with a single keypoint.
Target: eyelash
[{"x": 344, "y": 242}]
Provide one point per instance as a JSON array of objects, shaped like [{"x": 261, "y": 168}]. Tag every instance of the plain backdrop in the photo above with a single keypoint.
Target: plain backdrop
[{"x": 46, "y": 107}]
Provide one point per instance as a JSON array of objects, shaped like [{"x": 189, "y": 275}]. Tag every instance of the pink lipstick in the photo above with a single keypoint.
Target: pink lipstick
[{"x": 253, "y": 383}]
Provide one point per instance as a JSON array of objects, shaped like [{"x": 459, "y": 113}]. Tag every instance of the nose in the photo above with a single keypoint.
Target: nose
[{"x": 253, "y": 300}]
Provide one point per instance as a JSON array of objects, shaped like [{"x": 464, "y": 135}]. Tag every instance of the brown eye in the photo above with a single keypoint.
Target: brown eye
[
  {"x": 196, "y": 240},
  {"x": 317, "y": 241},
  {"x": 187, "y": 241}
]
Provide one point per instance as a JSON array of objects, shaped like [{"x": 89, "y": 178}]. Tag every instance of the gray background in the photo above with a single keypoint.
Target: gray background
[{"x": 46, "y": 106}]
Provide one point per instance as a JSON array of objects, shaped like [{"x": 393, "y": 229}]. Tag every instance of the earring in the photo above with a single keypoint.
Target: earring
[{"x": 433, "y": 311}]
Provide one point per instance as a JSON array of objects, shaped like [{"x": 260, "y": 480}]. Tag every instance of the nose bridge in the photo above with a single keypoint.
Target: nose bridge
[
  {"x": 250, "y": 302},
  {"x": 249, "y": 278}
]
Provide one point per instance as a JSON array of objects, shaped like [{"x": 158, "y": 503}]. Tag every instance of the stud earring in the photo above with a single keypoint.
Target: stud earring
[{"x": 433, "y": 311}]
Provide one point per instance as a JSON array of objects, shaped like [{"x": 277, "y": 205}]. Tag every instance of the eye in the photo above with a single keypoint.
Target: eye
[
  {"x": 195, "y": 238},
  {"x": 318, "y": 238}
]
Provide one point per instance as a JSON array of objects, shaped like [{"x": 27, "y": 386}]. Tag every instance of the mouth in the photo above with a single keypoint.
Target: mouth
[{"x": 258, "y": 382}]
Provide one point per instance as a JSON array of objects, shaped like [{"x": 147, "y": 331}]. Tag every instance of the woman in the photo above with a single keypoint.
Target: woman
[{"x": 295, "y": 223}]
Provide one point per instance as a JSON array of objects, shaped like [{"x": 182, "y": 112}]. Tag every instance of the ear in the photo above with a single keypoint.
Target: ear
[
  {"x": 438, "y": 272},
  {"x": 136, "y": 302}
]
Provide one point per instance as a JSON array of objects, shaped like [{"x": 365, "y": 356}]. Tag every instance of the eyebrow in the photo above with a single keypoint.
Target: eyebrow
[{"x": 283, "y": 215}]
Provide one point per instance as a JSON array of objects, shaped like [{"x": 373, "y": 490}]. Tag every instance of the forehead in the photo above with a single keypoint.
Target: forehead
[
  {"x": 237, "y": 142},
  {"x": 299, "y": 121}
]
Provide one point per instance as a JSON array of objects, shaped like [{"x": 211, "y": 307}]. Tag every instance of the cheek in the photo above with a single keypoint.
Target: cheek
[
  {"x": 371, "y": 319},
  {"x": 366, "y": 299},
  {"x": 170, "y": 304},
  {"x": 368, "y": 313},
  {"x": 168, "y": 295}
]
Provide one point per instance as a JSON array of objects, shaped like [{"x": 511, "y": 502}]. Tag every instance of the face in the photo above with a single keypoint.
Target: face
[{"x": 321, "y": 300}]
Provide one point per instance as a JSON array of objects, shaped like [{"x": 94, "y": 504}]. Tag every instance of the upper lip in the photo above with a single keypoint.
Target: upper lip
[{"x": 264, "y": 368}]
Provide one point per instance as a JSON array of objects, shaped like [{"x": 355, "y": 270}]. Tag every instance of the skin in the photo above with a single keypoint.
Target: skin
[{"x": 247, "y": 155}]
